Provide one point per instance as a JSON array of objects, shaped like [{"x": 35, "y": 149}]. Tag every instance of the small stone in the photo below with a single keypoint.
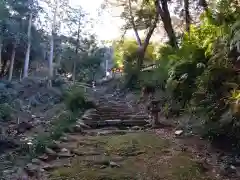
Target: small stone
[
  {"x": 48, "y": 167},
  {"x": 64, "y": 150},
  {"x": 65, "y": 154},
  {"x": 136, "y": 128},
  {"x": 233, "y": 167},
  {"x": 33, "y": 116},
  {"x": 78, "y": 129},
  {"x": 113, "y": 164},
  {"x": 36, "y": 161},
  {"x": 103, "y": 167},
  {"x": 50, "y": 151},
  {"x": 64, "y": 139},
  {"x": 83, "y": 125},
  {"x": 56, "y": 145},
  {"x": 67, "y": 165},
  {"x": 8, "y": 171},
  {"x": 43, "y": 157},
  {"x": 31, "y": 169},
  {"x": 178, "y": 132}
]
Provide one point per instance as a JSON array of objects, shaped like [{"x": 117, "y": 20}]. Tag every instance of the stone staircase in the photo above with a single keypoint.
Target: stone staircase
[
  {"x": 112, "y": 116},
  {"x": 114, "y": 112}
]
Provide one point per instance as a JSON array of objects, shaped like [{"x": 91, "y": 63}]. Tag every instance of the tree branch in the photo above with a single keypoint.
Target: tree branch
[
  {"x": 133, "y": 24},
  {"x": 151, "y": 29}
]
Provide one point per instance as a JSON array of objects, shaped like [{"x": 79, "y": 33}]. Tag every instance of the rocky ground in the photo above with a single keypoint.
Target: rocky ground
[{"x": 115, "y": 142}]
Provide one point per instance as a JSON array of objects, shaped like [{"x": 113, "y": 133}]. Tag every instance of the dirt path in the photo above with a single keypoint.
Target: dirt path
[{"x": 116, "y": 154}]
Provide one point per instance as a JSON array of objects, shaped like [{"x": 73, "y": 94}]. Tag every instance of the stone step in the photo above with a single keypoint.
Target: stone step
[
  {"x": 116, "y": 123},
  {"x": 113, "y": 109},
  {"x": 125, "y": 117},
  {"x": 114, "y": 113},
  {"x": 118, "y": 115},
  {"x": 108, "y": 108}
]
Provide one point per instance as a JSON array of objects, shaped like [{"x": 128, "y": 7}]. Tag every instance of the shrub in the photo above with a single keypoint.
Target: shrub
[
  {"x": 75, "y": 99},
  {"x": 5, "y": 112}
]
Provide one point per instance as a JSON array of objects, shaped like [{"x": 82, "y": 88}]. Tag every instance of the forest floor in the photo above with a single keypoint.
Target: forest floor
[
  {"x": 153, "y": 155},
  {"x": 114, "y": 142}
]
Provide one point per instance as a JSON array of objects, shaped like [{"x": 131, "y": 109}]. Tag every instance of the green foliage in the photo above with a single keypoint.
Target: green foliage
[
  {"x": 88, "y": 59},
  {"x": 124, "y": 50},
  {"x": 75, "y": 99},
  {"x": 131, "y": 71},
  {"x": 5, "y": 112},
  {"x": 60, "y": 125},
  {"x": 126, "y": 55},
  {"x": 76, "y": 103},
  {"x": 200, "y": 76}
]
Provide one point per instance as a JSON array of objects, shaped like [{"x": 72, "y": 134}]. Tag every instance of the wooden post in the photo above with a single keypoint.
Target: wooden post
[{"x": 155, "y": 110}]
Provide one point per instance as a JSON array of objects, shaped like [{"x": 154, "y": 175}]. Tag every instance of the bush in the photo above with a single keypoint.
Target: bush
[
  {"x": 75, "y": 99},
  {"x": 200, "y": 75},
  {"x": 5, "y": 112}
]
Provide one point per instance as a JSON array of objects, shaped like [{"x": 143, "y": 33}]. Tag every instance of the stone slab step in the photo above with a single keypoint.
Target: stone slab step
[
  {"x": 128, "y": 117},
  {"x": 117, "y": 123}
]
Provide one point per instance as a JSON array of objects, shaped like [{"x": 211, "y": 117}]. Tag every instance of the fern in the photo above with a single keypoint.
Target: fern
[{"x": 235, "y": 37}]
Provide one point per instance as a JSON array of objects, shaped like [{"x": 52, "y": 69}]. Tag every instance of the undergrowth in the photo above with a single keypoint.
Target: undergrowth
[
  {"x": 76, "y": 103},
  {"x": 201, "y": 76}
]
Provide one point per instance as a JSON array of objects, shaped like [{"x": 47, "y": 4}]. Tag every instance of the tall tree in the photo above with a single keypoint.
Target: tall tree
[
  {"x": 76, "y": 20},
  {"x": 57, "y": 9},
  {"x": 4, "y": 17},
  {"x": 163, "y": 11},
  {"x": 26, "y": 62},
  {"x": 16, "y": 36},
  {"x": 33, "y": 10},
  {"x": 139, "y": 16},
  {"x": 187, "y": 15}
]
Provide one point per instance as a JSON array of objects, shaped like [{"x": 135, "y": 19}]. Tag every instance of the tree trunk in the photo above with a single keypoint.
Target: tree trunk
[
  {"x": 26, "y": 63},
  {"x": 204, "y": 5},
  {"x": 51, "y": 61},
  {"x": 187, "y": 15},
  {"x": 52, "y": 45},
  {"x": 12, "y": 62},
  {"x": 143, "y": 48},
  {"x": 20, "y": 74},
  {"x": 162, "y": 9},
  {"x": 58, "y": 63},
  {"x": 74, "y": 71},
  {"x": 133, "y": 24},
  {"x": 76, "y": 52},
  {"x": 1, "y": 46},
  {"x": 142, "y": 45}
]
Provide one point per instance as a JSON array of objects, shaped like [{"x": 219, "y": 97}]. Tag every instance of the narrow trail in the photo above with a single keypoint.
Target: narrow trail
[{"x": 114, "y": 142}]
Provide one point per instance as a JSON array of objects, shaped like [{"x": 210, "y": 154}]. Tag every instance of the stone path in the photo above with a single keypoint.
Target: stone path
[
  {"x": 110, "y": 118},
  {"x": 114, "y": 142}
]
